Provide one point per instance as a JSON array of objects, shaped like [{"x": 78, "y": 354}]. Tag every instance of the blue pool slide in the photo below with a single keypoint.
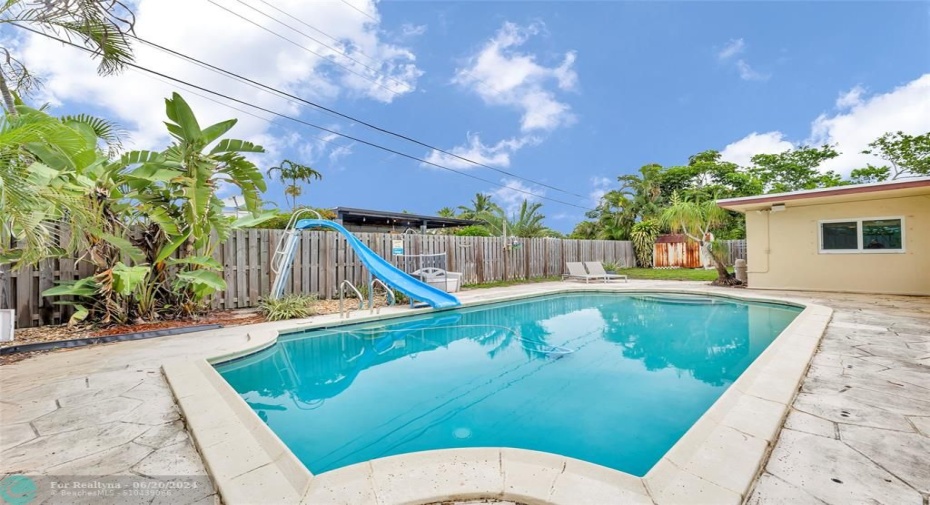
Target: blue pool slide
[{"x": 384, "y": 270}]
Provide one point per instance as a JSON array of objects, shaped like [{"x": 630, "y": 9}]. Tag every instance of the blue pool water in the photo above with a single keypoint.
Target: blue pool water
[{"x": 614, "y": 379}]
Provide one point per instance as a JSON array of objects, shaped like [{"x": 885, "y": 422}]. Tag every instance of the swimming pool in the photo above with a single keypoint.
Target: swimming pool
[{"x": 613, "y": 379}]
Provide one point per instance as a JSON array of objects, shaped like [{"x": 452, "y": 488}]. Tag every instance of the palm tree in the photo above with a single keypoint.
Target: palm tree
[
  {"x": 42, "y": 163},
  {"x": 481, "y": 207},
  {"x": 697, "y": 220},
  {"x": 528, "y": 222},
  {"x": 446, "y": 212},
  {"x": 102, "y": 25},
  {"x": 293, "y": 172},
  {"x": 42, "y": 188}
]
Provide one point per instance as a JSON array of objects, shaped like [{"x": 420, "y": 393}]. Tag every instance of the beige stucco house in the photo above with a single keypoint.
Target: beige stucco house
[{"x": 867, "y": 238}]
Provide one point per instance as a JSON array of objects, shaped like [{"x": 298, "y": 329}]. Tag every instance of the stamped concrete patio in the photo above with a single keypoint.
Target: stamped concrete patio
[{"x": 858, "y": 432}]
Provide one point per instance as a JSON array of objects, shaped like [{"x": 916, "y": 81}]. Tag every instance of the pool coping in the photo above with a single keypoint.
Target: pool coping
[{"x": 715, "y": 461}]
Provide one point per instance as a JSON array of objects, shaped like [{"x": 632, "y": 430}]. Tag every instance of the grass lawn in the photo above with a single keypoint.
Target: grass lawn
[
  {"x": 676, "y": 274},
  {"x": 499, "y": 284}
]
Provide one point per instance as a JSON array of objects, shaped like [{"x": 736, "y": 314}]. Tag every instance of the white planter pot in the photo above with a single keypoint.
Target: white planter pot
[{"x": 7, "y": 316}]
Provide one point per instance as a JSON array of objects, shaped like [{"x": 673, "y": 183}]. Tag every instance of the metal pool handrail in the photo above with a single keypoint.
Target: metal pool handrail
[
  {"x": 388, "y": 293},
  {"x": 342, "y": 292}
]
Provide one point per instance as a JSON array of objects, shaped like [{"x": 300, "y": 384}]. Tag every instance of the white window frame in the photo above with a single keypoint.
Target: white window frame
[{"x": 861, "y": 249}]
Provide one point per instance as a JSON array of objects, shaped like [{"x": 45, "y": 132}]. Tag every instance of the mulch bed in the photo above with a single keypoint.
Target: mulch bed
[{"x": 233, "y": 317}]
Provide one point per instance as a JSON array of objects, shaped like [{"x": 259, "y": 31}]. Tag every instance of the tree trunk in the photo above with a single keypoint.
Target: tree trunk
[
  {"x": 8, "y": 102},
  {"x": 724, "y": 277}
]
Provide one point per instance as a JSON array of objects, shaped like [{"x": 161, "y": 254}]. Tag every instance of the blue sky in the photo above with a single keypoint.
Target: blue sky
[{"x": 570, "y": 94}]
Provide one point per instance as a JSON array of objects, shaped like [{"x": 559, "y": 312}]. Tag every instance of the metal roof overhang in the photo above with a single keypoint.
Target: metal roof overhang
[{"x": 381, "y": 218}]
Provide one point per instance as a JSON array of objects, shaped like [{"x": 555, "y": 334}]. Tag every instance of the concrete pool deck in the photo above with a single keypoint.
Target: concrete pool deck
[{"x": 861, "y": 418}]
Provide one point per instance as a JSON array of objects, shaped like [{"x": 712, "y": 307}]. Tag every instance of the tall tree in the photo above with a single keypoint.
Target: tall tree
[
  {"x": 795, "y": 169},
  {"x": 294, "y": 172},
  {"x": 869, "y": 174},
  {"x": 909, "y": 155},
  {"x": 446, "y": 212},
  {"x": 101, "y": 25},
  {"x": 528, "y": 222},
  {"x": 697, "y": 220},
  {"x": 481, "y": 206}
]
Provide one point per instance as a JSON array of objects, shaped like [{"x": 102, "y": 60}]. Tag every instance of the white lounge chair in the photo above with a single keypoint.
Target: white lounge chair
[
  {"x": 576, "y": 271},
  {"x": 439, "y": 278},
  {"x": 597, "y": 268}
]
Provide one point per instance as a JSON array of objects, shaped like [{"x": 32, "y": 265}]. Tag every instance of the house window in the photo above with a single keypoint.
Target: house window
[{"x": 872, "y": 235}]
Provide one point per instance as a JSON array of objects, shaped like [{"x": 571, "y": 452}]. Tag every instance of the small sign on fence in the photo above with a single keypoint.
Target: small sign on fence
[{"x": 397, "y": 247}]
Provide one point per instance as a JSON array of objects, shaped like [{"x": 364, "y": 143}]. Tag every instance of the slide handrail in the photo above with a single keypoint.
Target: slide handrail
[{"x": 281, "y": 249}]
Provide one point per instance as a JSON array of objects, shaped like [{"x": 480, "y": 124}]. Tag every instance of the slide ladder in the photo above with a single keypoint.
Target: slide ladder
[{"x": 379, "y": 267}]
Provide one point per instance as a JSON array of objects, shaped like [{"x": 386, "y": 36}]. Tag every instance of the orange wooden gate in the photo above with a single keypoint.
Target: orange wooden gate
[{"x": 676, "y": 251}]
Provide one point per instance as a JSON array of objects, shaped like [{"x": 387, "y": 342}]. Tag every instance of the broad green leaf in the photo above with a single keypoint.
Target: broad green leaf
[
  {"x": 86, "y": 287},
  {"x": 80, "y": 314},
  {"x": 181, "y": 114},
  {"x": 200, "y": 279},
  {"x": 124, "y": 246},
  {"x": 200, "y": 261},
  {"x": 126, "y": 279},
  {"x": 252, "y": 221},
  {"x": 216, "y": 131},
  {"x": 236, "y": 146},
  {"x": 160, "y": 216},
  {"x": 154, "y": 173},
  {"x": 134, "y": 157},
  {"x": 169, "y": 248}
]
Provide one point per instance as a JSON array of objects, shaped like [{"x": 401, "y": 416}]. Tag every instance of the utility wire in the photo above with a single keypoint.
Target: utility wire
[
  {"x": 300, "y": 121},
  {"x": 369, "y": 16},
  {"x": 224, "y": 104},
  {"x": 321, "y": 32},
  {"x": 305, "y": 48},
  {"x": 337, "y": 51},
  {"x": 348, "y": 117}
]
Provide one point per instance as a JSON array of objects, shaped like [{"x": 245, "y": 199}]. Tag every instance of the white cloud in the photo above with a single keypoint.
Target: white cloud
[
  {"x": 905, "y": 108},
  {"x": 502, "y": 75},
  {"x": 204, "y": 31},
  {"x": 497, "y": 155},
  {"x": 858, "y": 121},
  {"x": 512, "y": 194},
  {"x": 412, "y": 30},
  {"x": 733, "y": 47},
  {"x": 747, "y": 73},
  {"x": 601, "y": 186},
  {"x": 741, "y": 151},
  {"x": 736, "y": 47},
  {"x": 851, "y": 98}
]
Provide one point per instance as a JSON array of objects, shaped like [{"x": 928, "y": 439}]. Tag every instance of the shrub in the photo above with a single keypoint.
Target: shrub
[
  {"x": 279, "y": 222},
  {"x": 644, "y": 234},
  {"x": 288, "y": 307},
  {"x": 611, "y": 267},
  {"x": 473, "y": 231}
]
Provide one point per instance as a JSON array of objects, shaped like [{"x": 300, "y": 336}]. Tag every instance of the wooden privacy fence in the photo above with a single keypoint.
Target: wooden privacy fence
[
  {"x": 324, "y": 260},
  {"x": 675, "y": 253}
]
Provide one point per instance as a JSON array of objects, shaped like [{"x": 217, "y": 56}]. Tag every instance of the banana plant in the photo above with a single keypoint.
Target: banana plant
[{"x": 177, "y": 191}]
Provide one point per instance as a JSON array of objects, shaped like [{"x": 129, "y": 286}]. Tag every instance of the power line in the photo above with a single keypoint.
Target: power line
[
  {"x": 321, "y": 32},
  {"x": 205, "y": 97},
  {"x": 348, "y": 117},
  {"x": 369, "y": 16},
  {"x": 337, "y": 51},
  {"x": 300, "y": 121},
  {"x": 301, "y": 46}
]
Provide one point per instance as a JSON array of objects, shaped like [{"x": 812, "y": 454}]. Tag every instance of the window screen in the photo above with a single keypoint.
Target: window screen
[{"x": 840, "y": 236}]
